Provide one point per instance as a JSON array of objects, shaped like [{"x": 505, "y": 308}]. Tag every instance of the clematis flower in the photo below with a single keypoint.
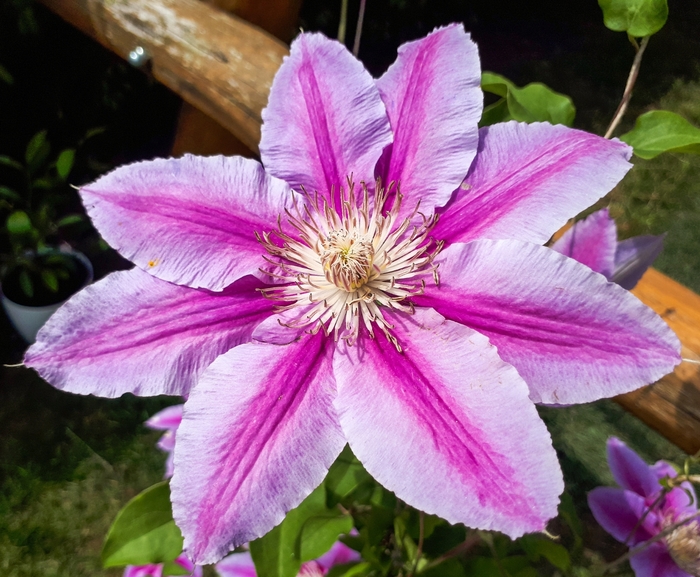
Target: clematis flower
[
  {"x": 381, "y": 282},
  {"x": 593, "y": 242},
  {"x": 241, "y": 564},
  {"x": 156, "y": 569},
  {"x": 167, "y": 420},
  {"x": 637, "y": 511}
]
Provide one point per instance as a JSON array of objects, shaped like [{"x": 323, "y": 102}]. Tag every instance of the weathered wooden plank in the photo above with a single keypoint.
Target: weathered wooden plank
[
  {"x": 217, "y": 62},
  {"x": 672, "y": 405}
]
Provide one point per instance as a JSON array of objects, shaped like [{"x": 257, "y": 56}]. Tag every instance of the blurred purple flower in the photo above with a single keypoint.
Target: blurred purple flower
[
  {"x": 167, "y": 420},
  {"x": 156, "y": 569},
  {"x": 299, "y": 312},
  {"x": 637, "y": 511},
  {"x": 241, "y": 564},
  {"x": 593, "y": 242}
]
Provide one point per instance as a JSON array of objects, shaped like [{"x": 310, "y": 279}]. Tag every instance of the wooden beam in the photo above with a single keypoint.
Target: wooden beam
[{"x": 215, "y": 61}]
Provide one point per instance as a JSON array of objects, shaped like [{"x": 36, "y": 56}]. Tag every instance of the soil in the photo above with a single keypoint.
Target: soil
[{"x": 42, "y": 295}]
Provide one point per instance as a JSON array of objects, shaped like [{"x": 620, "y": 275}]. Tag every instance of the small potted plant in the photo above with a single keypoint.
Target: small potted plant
[{"x": 39, "y": 270}]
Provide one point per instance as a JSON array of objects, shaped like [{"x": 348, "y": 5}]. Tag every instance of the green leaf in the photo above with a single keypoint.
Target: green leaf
[
  {"x": 70, "y": 219},
  {"x": 319, "y": 533},
  {"x": 638, "y": 18},
  {"x": 50, "y": 280},
  {"x": 11, "y": 162},
  {"x": 350, "y": 570},
  {"x": 449, "y": 568},
  {"x": 64, "y": 163},
  {"x": 532, "y": 103},
  {"x": 37, "y": 151},
  {"x": 277, "y": 553},
  {"x": 144, "y": 531},
  {"x": 661, "y": 131},
  {"x": 171, "y": 569},
  {"x": 10, "y": 194},
  {"x": 5, "y": 76},
  {"x": 537, "y": 547},
  {"x": 344, "y": 476},
  {"x": 25, "y": 282},
  {"x": 18, "y": 223}
]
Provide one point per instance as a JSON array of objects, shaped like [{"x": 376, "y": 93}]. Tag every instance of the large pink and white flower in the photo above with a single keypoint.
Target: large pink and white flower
[{"x": 381, "y": 282}]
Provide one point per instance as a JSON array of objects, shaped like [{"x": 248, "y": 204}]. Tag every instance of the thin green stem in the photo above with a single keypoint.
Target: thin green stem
[{"x": 343, "y": 24}]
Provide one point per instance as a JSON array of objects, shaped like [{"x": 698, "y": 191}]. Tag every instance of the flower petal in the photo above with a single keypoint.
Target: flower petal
[
  {"x": 656, "y": 562},
  {"x": 573, "y": 336},
  {"x": 528, "y": 180},
  {"x": 324, "y": 120},
  {"x": 592, "y": 242},
  {"x": 166, "y": 420},
  {"x": 258, "y": 435},
  {"x": 634, "y": 256},
  {"x": 237, "y": 565},
  {"x": 428, "y": 424},
  {"x": 338, "y": 554},
  {"x": 433, "y": 98},
  {"x": 132, "y": 333},
  {"x": 191, "y": 220},
  {"x": 619, "y": 511},
  {"x": 630, "y": 471}
]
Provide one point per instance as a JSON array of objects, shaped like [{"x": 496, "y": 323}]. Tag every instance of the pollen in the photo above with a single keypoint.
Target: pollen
[{"x": 342, "y": 269}]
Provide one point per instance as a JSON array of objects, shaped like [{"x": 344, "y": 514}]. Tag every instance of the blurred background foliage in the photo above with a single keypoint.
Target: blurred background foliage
[{"x": 68, "y": 463}]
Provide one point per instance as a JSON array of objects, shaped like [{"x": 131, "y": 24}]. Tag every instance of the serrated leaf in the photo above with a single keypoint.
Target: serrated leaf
[
  {"x": 662, "y": 131},
  {"x": 11, "y": 162},
  {"x": 144, "y": 531},
  {"x": 277, "y": 554},
  {"x": 7, "y": 192},
  {"x": 37, "y": 151},
  {"x": 319, "y": 533},
  {"x": 638, "y": 18},
  {"x": 50, "y": 280},
  {"x": 64, "y": 162},
  {"x": 18, "y": 223},
  {"x": 25, "y": 283},
  {"x": 5, "y": 75}
]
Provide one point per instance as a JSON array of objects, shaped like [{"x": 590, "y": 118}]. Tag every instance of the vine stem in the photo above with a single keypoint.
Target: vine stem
[
  {"x": 631, "y": 79},
  {"x": 343, "y": 24},
  {"x": 642, "y": 546},
  {"x": 469, "y": 543},
  {"x": 421, "y": 534},
  {"x": 358, "y": 28}
]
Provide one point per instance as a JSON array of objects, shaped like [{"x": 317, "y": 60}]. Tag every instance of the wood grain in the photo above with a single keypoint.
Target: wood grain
[{"x": 217, "y": 62}]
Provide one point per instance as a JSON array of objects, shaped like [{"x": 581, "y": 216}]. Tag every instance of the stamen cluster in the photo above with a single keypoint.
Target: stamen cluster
[{"x": 343, "y": 268}]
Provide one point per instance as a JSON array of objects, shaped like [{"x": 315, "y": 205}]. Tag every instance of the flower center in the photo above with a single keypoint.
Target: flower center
[
  {"x": 341, "y": 270},
  {"x": 684, "y": 546}
]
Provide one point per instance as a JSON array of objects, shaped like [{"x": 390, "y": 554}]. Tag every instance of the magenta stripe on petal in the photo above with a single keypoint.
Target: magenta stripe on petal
[
  {"x": 258, "y": 435},
  {"x": 528, "y": 180},
  {"x": 655, "y": 561},
  {"x": 630, "y": 471},
  {"x": 573, "y": 336},
  {"x": 131, "y": 332},
  {"x": 433, "y": 97},
  {"x": 324, "y": 120},
  {"x": 448, "y": 426},
  {"x": 190, "y": 220},
  {"x": 618, "y": 512}
]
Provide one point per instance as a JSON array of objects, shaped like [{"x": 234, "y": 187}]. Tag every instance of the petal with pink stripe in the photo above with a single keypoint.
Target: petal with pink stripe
[
  {"x": 528, "y": 180},
  {"x": 435, "y": 424},
  {"x": 573, "y": 336},
  {"x": 618, "y": 512},
  {"x": 133, "y": 333},
  {"x": 324, "y": 120},
  {"x": 258, "y": 435},
  {"x": 433, "y": 97},
  {"x": 191, "y": 220},
  {"x": 630, "y": 471}
]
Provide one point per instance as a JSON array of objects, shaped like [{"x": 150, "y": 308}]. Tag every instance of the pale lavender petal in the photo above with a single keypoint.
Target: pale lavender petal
[
  {"x": 592, "y": 242},
  {"x": 663, "y": 469},
  {"x": 189, "y": 220},
  {"x": 143, "y": 571},
  {"x": 619, "y": 511},
  {"x": 338, "y": 554},
  {"x": 324, "y": 120},
  {"x": 167, "y": 419},
  {"x": 634, "y": 256},
  {"x": 573, "y": 336},
  {"x": 185, "y": 563},
  {"x": 528, "y": 180},
  {"x": 656, "y": 562},
  {"x": 236, "y": 565},
  {"x": 428, "y": 424},
  {"x": 630, "y": 471},
  {"x": 169, "y": 464},
  {"x": 311, "y": 569},
  {"x": 131, "y": 332},
  {"x": 681, "y": 501},
  {"x": 433, "y": 98},
  {"x": 167, "y": 441},
  {"x": 258, "y": 435}
]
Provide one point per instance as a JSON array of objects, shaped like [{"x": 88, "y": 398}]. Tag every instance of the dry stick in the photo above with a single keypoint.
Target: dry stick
[
  {"x": 658, "y": 500},
  {"x": 343, "y": 24},
  {"x": 632, "y": 78},
  {"x": 419, "y": 551},
  {"x": 641, "y": 547},
  {"x": 358, "y": 29}
]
